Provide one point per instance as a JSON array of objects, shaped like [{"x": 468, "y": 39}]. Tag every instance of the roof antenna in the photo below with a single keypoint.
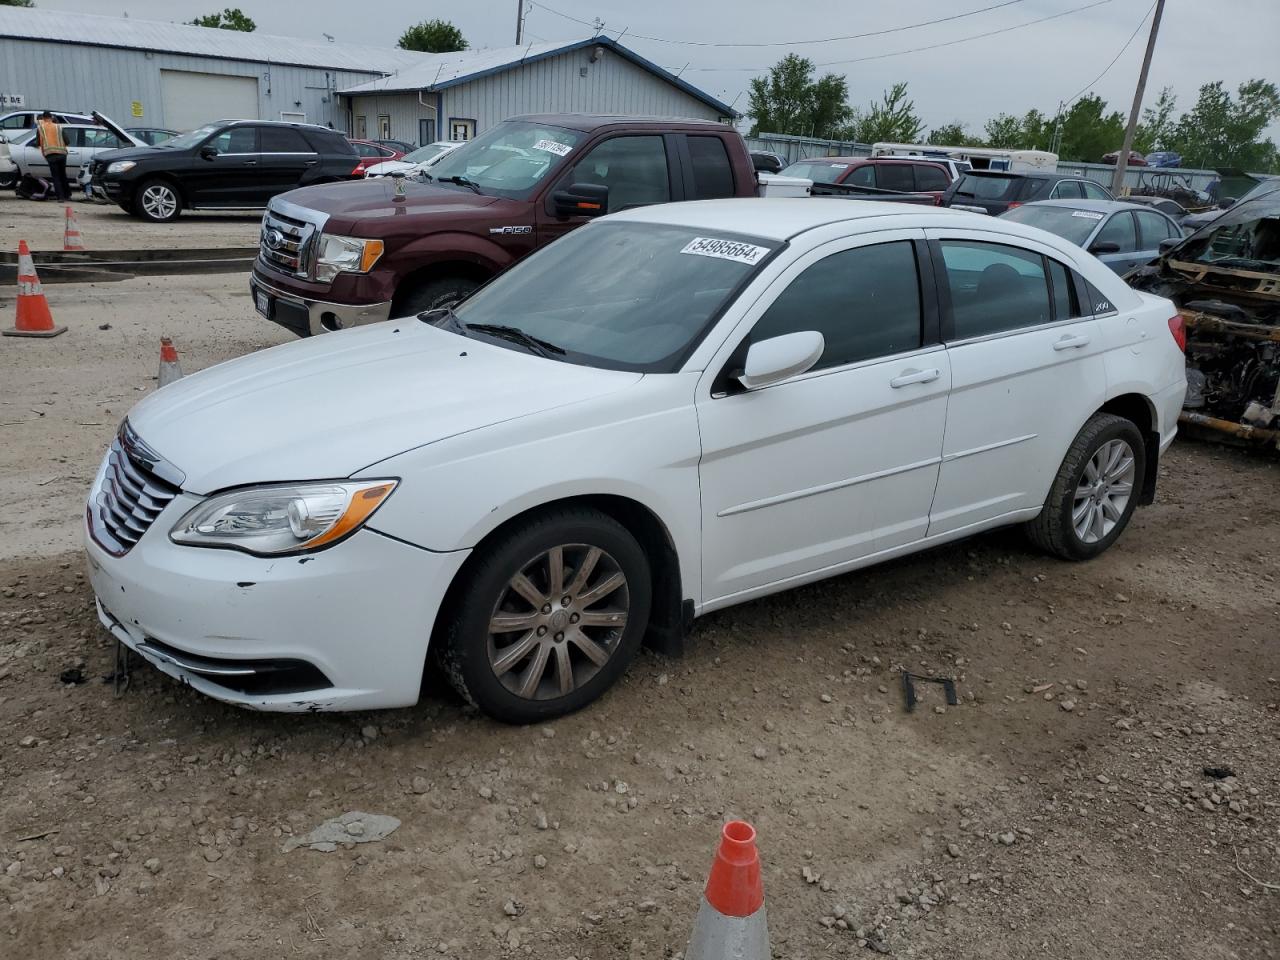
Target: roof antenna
[{"x": 599, "y": 25}]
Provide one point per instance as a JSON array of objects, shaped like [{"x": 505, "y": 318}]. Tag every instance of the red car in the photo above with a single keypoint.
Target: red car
[
  {"x": 884, "y": 173},
  {"x": 1135, "y": 158},
  {"x": 371, "y": 153}
]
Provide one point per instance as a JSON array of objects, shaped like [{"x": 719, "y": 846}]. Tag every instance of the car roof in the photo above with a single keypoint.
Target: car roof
[
  {"x": 587, "y": 122},
  {"x": 1097, "y": 206},
  {"x": 268, "y": 123}
]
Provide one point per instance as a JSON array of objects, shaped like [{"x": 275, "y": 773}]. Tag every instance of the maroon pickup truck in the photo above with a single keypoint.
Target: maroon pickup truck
[{"x": 343, "y": 254}]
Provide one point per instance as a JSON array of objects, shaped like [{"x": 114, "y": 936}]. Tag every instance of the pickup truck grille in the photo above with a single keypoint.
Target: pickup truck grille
[
  {"x": 130, "y": 497},
  {"x": 286, "y": 243}
]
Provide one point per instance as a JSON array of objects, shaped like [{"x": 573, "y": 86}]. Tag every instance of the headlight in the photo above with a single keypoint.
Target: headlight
[
  {"x": 121, "y": 166},
  {"x": 282, "y": 518},
  {"x": 345, "y": 254}
]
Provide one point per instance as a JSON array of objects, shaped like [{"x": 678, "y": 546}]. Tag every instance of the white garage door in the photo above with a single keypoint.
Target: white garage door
[{"x": 191, "y": 100}]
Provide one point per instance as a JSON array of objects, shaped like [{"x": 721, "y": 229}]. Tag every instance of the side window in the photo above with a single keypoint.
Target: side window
[
  {"x": 1119, "y": 230},
  {"x": 1093, "y": 191},
  {"x": 864, "y": 176},
  {"x": 994, "y": 287},
  {"x": 283, "y": 140},
  {"x": 1067, "y": 190},
  {"x": 19, "y": 121},
  {"x": 712, "y": 172},
  {"x": 865, "y": 302},
  {"x": 236, "y": 140},
  {"x": 633, "y": 168},
  {"x": 366, "y": 149},
  {"x": 930, "y": 178},
  {"x": 1065, "y": 304},
  {"x": 895, "y": 176},
  {"x": 75, "y": 136},
  {"x": 1153, "y": 228}
]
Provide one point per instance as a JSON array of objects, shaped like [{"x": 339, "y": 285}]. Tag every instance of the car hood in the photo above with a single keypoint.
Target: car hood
[
  {"x": 389, "y": 166},
  {"x": 327, "y": 407},
  {"x": 125, "y": 153},
  {"x": 355, "y": 199}
]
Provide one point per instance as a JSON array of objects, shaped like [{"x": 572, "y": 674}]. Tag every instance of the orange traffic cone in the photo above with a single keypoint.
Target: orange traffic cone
[
  {"x": 71, "y": 239},
  {"x": 170, "y": 368},
  {"x": 34, "y": 318},
  {"x": 730, "y": 924}
]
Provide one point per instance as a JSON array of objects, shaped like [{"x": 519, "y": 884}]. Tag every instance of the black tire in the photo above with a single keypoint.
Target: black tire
[
  {"x": 162, "y": 213},
  {"x": 8, "y": 180},
  {"x": 433, "y": 294},
  {"x": 126, "y": 206},
  {"x": 1054, "y": 530},
  {"x": 466, "y": 645}
]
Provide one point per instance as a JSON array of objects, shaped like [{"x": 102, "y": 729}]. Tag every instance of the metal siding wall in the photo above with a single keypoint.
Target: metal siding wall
[{"x": 83, "y": 78}]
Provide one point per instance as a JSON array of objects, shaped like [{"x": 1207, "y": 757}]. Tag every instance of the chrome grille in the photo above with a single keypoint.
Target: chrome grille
[
  {"x": 285, "y": 243},
  {"x": 131, "y": 495}
]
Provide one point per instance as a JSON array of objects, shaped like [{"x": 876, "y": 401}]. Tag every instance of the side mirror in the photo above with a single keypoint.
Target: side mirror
[
  {"x": 1226, "y": 202},
  {"x": 208, "y": 153},
  {"x": 1168, "y": 243},
  {"x": 780, "y": 358},
  {"x": 581, "y": 200},
  {"x": 1104, "y": 246}
]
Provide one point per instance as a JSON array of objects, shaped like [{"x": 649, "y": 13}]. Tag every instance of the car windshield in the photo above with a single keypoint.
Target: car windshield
[
  {"x": 1245, "y": 244},
  {"x": 982, "y": 187},
  {"x": 623, "y": 296},
  {"x": 1067, "y": 222},
  {"x": 184, "y": 140},
  {"x": 819, "y": 171},
  {"x": 422, "y": 154},
  {"x": 510, "y": 159}
]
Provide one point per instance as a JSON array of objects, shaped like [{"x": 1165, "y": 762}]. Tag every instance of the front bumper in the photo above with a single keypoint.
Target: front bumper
[
  {"x": 109, "y": 190},
  {"x": 342, "y": 629},
  {"x": 308, "y": 317}
]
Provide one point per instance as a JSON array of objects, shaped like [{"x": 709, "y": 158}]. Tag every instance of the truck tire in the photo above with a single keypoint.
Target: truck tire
[{"x": 432, "y": 295}]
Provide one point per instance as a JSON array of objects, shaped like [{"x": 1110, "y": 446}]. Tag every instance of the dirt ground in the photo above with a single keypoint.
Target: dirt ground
[
  {"x": 1062, "y": 810},
  {"x": 104, "y": 226}
]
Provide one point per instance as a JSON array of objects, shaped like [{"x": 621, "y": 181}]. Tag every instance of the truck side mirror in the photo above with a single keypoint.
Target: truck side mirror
[{"x": 581, "y": 200}]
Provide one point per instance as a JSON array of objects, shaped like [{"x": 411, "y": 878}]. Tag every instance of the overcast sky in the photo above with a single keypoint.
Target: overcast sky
[{"x": 1036, "y": 66}]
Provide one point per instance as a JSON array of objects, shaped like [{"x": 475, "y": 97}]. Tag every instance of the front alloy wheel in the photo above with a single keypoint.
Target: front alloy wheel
[{"x": 158, "y": 201}]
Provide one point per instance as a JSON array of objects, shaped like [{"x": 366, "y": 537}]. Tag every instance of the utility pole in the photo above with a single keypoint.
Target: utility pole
[
  {"x": 1122, "y": 161},
  {"x": 519, "y": 23}
]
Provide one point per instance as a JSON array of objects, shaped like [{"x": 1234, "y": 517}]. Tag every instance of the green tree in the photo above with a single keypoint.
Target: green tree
[
  {"x": 17, "y": 3},
  {"x": 892, "y": 120},
  {"x": 953, "y": 135},
  {"x": 1157, "y": 127},
  {"x": 433, "y": 36},
  {"x": 1220, "y": 131},
  {"x": 232, "y": 18},
  {"x": 788, "y": 100},
  {"x": 1088, "y": 131},
  {"x": 1004, "y": 132}
]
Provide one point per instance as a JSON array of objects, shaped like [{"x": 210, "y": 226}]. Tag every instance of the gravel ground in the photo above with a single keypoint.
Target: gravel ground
[{"x": 1061, "y": 810}]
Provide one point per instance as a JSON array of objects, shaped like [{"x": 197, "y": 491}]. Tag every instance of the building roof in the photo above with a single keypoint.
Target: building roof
[
  {"x": 438, "y": 71},
  {"x": 91, "y": 29}
]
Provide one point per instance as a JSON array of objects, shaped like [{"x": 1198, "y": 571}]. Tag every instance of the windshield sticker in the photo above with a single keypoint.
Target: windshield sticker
[
  {"x": 839, "y": 166},
  {"x": 1087, "y": 214},
  {"x": 747, "y": 253},
  {"x": 553, "y": 146}
]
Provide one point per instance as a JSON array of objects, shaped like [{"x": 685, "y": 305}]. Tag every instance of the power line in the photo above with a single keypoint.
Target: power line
[
  {"x": 1089, "y": 85},
  {"x": 793, "y": 43}
]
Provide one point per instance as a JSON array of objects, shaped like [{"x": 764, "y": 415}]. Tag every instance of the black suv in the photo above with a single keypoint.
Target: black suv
[
  {"x": 994, "y": 192},
  {"x": 230, "y": 164}
]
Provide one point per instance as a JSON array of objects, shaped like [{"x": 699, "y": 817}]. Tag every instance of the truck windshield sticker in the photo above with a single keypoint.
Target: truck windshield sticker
[
  {"x": 839, "y": 166},
  {"x": 747, "y": 253},
  {"x": 1087, "y": 214},
  {"x": 553, "y": 146}
]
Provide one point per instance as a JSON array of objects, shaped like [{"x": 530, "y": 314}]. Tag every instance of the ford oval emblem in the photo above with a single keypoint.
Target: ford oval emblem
[{"x": 274, "y": 239}]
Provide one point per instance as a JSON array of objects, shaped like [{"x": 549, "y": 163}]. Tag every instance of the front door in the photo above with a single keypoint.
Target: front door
[
  {"x": 1121, "y": 230},
  {"x": 230, "y": 178},
  {"x": 838, "y": 463},
  {"x": 1027, "y": 370}
]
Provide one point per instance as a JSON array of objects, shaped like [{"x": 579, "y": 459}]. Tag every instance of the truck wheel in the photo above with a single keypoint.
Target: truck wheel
[
  {"x": 548, "y": 617},
  {"x": 158, "y": 201},
  {"x": 1095, "y": 491},
  {"x": 432, "y": 295}
]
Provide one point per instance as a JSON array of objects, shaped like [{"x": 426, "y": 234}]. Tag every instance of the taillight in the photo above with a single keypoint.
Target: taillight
[
  {"x": 1179, "y": 331},
  {"x": 358, "y": 171},
  {"x": 1014, "y": 203}
]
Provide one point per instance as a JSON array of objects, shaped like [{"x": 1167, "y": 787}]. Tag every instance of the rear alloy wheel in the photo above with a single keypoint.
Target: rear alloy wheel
[
  {"x": 158, "y": 201},
  {"x": 552, "y": 615},
  {"x": 1095, "y": 492}
]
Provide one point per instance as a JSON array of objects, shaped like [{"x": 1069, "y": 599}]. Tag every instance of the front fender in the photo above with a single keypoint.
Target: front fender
[{"x": 450, "y": 246}]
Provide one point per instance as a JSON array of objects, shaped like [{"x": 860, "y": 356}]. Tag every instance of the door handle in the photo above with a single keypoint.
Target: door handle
[
  {"x": 1069, "y": 342},
  {"x": 251, "y": 163},
  {"x": 908, "y": 377},
  {"x": 312, "y": 163}
]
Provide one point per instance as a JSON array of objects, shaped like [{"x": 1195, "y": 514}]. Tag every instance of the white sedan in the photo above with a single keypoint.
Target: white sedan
[
  {"x": 84, "y": 142},
  {"x": 666, "y": 412},
  {"x": 415, "y": 162}
]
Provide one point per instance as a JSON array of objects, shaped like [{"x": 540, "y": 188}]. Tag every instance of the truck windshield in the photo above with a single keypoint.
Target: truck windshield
[
  {"x": 624, "y": 296},
  {"x": 510, "y": 159}
]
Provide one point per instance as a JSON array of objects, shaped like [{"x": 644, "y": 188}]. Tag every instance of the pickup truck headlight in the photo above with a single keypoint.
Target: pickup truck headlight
[
  {"x": 121, "y": 166},
  {"x": 282, "y": 518},
  {"x": 345, "y": 254}
]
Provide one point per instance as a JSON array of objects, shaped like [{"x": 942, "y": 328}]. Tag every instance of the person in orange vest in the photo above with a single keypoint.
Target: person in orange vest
[{"x": 54, "y": 148}]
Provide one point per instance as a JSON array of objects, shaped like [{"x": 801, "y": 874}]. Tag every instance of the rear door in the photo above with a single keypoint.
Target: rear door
[
  {"x": 1027, "y": 368},
  {"x": 1152, "y": 228},
  {"x": 284, "y": 158}
]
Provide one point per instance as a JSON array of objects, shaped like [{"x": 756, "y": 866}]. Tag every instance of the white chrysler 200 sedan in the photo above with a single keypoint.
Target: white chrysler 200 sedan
[{"x": 668, "y": 411}]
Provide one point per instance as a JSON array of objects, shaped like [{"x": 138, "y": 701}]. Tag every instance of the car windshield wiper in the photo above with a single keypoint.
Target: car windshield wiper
[
  {"x": 447, "y": 313},
  {"x": 543, "y": 348},
  {"x": 463, "y": 182}
]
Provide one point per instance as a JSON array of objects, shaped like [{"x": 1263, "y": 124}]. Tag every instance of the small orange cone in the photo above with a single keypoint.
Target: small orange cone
[
  {"x": 71, "y": 239},
  {"x": 170, "y": 368},
  {"x": 33, "y": 318},
  {"x": 731, "y": 923}
]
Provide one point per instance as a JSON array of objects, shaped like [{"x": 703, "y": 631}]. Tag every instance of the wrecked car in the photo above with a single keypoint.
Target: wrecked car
[{"x": 1225, "y": 280}]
